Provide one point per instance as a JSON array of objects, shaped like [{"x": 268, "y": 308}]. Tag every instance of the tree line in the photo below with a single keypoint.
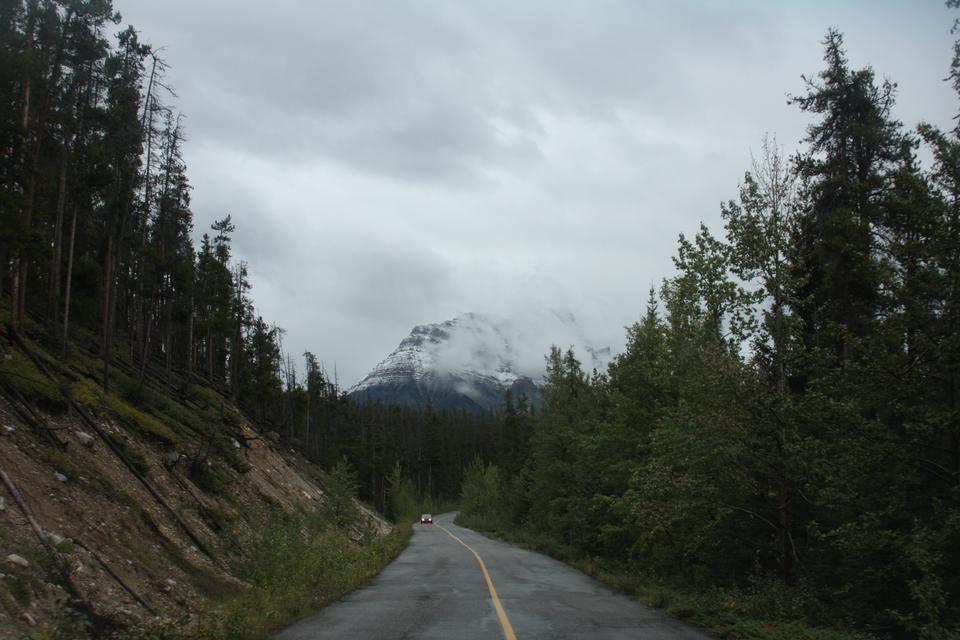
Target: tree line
[
  {"x": 422, "y": 448},
  {"x": 787, "y": 411}
]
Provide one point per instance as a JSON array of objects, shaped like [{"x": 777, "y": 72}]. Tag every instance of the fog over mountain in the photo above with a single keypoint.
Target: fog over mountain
[{"x": 470, "y": 361}]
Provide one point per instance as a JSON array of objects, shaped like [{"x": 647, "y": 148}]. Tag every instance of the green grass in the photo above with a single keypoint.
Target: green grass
[
  {"x": 19, "y": 372},
  {"x": 298, "y": 563},
  {"x": 212, "y": 405},
  {"x": 90, "y": 394},
  {"x": 189, "y": 422},
  {"x": 87, "y": 392},
  {"x": 137, "y": 421}
]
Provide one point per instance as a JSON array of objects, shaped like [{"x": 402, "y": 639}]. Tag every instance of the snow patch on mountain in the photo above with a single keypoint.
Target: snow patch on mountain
[{"x": 478, "y": 356}]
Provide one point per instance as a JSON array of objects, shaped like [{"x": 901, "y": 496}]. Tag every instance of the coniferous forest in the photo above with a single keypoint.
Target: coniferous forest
[{"x": 784, "y": 421}]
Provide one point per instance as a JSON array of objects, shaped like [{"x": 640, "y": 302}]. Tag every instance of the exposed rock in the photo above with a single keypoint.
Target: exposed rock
[
  {"x": 18, "y": 560},
  {"x": 273, "y": 436},
  {"x": 54, "y": 538},
  {"x": 29, "y": 619},
  {"x": 85, "y": 438},
  {"x": 59, "y": 476}
]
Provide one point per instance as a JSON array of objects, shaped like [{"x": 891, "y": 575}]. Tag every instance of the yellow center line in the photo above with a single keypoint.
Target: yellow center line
[{"x": 504, "y": 621}]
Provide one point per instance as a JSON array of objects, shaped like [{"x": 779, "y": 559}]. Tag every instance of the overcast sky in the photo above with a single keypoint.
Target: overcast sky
[{"x": 396, "y": 163}]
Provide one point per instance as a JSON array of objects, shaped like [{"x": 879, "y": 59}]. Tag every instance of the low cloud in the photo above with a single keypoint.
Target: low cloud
[
  {"x": 519, "y": 344},
  {"x": 393, "y": 164}
]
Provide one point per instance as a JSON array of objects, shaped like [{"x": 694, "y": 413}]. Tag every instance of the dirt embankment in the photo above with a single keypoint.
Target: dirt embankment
[{"x": 117, "y": 512}]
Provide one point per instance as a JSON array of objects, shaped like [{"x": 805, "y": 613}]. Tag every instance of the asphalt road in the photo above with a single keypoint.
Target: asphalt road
[{"x": 439, "y": 589}]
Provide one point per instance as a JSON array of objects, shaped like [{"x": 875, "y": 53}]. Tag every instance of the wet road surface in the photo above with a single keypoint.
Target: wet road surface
[{"x": 439, "y": 589}]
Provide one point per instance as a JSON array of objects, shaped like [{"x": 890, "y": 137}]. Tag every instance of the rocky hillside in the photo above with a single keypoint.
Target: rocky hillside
[
  {"x": 469, "y": 362},
  {"x": 145, "y": 500}
]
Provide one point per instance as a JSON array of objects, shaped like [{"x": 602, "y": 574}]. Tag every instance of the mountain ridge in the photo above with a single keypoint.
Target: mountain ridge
[{"x": 470, "y": 361}]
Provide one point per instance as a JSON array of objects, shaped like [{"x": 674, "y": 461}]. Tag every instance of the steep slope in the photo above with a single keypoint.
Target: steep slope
[
  {"x": 469, "y": 362},
  {"x": 119, "y": 506}
]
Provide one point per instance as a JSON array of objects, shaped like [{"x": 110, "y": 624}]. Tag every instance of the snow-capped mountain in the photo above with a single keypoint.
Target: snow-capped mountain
[{"x": 470, "y": 361}]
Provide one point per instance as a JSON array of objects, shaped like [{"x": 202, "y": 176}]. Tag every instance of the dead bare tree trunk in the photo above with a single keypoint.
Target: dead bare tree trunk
[
  {"x": 209, "y": 352},
  {"x": 56, "y": 259},
  {"x": 21, "y": 303},
  {"x": 145, "y": 350},
  {"x": 67, "y": 288},
  {"x": 190, "y": 352},
  {"x": 14, "y": 290},
  {"x": 140, "y": 307},
  {"x": 90, "y": 91},
  {"x": 167, "y": 336},
  {"x": 105, "y": 310}
]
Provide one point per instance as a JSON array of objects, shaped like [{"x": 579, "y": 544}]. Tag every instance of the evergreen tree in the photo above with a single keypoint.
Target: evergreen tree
[
  {"x": 852, "y": 149},
  {"x": 340, "y": 491}
]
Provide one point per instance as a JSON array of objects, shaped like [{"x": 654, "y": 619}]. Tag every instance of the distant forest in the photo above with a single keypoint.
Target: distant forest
[{"x": 786, "y": 413}]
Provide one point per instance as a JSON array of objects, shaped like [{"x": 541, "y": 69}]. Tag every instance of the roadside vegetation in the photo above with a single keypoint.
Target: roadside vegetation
[
  {"x": 300, "y": 563},
  {"x": 776, "y": 454}
]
